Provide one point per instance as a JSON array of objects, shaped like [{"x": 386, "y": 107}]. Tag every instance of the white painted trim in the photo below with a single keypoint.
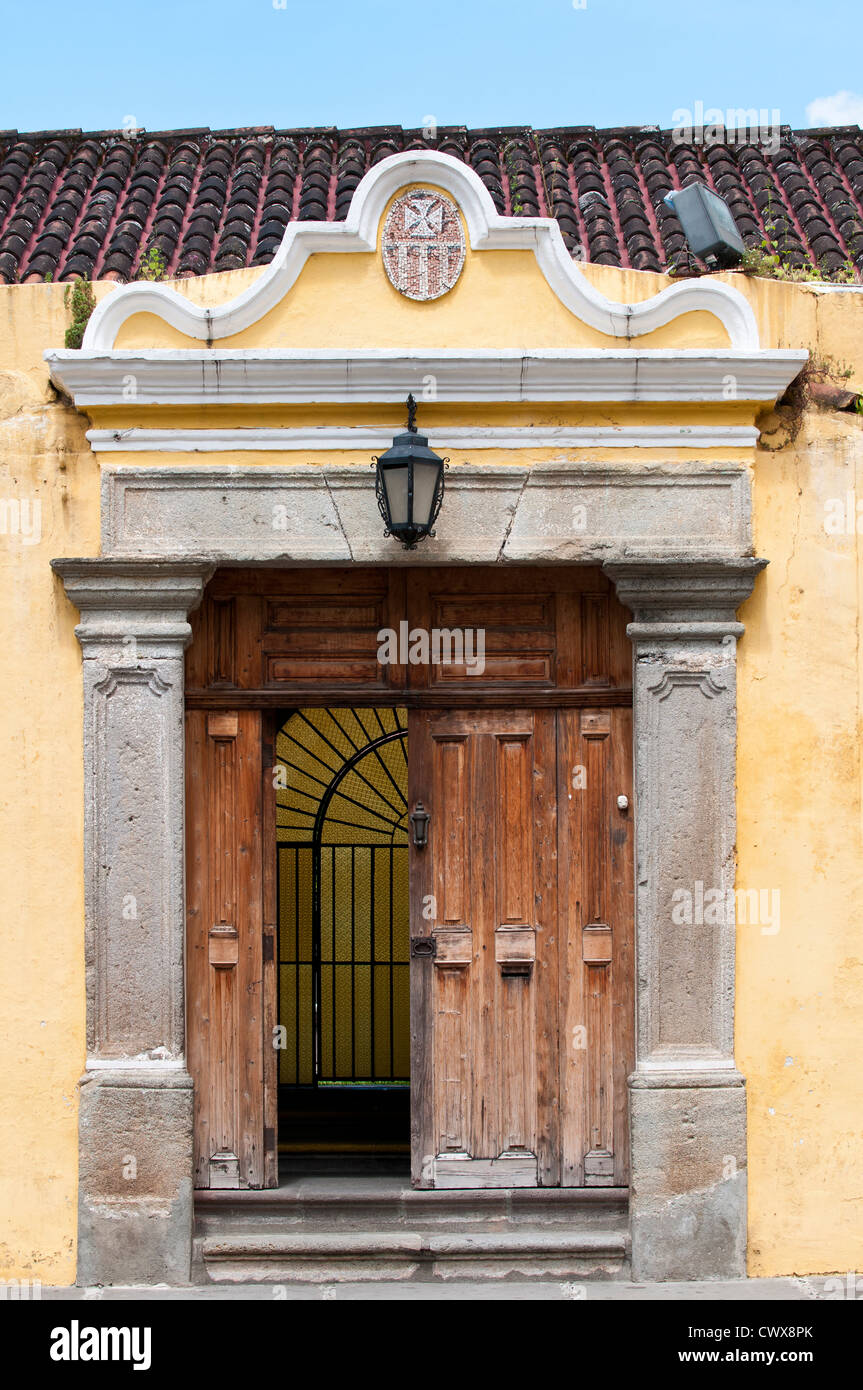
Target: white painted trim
[
  {"x": 262, "y": 376},
  {"x": 375, "y": 438},
  {"x": 487, "y": 231}
]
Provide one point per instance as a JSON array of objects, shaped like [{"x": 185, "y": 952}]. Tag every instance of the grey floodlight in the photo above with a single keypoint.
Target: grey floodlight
[{"x": 707, "y": 224}]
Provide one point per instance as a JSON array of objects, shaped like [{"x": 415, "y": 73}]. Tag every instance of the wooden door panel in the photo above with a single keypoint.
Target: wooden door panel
[
  {"x": 224, "y": 897},
  {"x": 549, "y": 944},
  {"x": 266, "y": 637},
  {"x": 483, "y": 892},
  {"x": 543, "y": 629},
  {"x": 596, "y": 925},
  {"x": 450, "y": 890}
]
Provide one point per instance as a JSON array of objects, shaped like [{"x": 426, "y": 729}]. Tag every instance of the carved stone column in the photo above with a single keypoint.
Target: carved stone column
[
  {"x": 135, "y": 1129},
  {"x": 687, "y": 1098}
]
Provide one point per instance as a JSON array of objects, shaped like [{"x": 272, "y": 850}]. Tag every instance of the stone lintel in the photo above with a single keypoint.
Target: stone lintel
[{"x": 559, "y": 512}]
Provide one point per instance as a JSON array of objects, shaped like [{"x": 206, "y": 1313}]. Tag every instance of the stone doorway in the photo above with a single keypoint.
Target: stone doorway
[{"x": 687, "y": 1210}]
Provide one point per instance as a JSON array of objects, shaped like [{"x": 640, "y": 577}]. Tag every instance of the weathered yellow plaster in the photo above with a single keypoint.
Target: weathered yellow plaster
[
  {"x": 44, "y": 458},
  {"x": 431, "y": 413},
  {"x": 800, "y": 832},
  {"x": 267, "y": 458}
]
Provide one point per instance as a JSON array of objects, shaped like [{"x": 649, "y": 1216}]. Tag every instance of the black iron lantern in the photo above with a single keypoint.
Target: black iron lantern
[
  {"x": 419, "y": 819},
  {"x": 409, "y": 484}
]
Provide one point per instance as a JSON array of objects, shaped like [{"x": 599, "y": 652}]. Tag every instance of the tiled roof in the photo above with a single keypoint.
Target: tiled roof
[{"x": 93, "y": 204}]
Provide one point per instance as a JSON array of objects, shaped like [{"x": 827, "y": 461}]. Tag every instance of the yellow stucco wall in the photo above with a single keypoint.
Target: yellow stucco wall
[
  {"x": 44, "y": 457},
  {"x": 799, "y": 831},
  {"x": 800, "y": 820}
]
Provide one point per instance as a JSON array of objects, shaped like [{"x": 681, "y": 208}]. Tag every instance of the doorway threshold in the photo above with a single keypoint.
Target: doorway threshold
[{"x": 325, "y": 1226}]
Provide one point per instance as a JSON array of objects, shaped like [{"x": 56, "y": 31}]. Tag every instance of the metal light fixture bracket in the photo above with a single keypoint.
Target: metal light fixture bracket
[{"x": 408, "y": 450}]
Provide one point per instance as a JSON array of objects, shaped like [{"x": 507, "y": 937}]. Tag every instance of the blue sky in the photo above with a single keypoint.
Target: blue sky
[{"x": 285, "y": 63}]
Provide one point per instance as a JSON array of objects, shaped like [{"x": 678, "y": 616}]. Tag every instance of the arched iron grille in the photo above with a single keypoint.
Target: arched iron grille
[{"x": 344, "y": 950}]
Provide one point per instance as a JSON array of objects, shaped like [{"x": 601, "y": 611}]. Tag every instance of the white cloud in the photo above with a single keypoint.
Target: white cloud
[{"x": 843, "y": 108}]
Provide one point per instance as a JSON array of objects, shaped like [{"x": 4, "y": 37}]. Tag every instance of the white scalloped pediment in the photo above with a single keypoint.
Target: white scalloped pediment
[{"x": 487, "y": 231}]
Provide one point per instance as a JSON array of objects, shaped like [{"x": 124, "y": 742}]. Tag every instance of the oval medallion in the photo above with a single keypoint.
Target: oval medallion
[{"x": 423, "y": 244}]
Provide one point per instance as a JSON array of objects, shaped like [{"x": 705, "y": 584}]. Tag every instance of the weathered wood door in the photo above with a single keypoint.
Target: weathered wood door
[
  {"x": 597, "y": 931},
  {"x": 229, "y": 947},
  {"x": 522, "y": 1020},
  {"x": 521, "y": 926}
]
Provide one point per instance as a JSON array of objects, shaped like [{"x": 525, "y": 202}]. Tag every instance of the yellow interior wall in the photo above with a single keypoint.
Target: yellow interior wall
[{"x": 799, "y": 755}]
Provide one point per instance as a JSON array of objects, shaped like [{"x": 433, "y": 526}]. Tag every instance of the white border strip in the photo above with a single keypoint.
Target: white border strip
[
  {"x": 379, "y": 437},
  {"x": 487, "y": 231}
]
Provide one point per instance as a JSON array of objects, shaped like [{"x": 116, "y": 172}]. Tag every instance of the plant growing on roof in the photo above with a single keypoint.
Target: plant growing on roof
[
  {"x": 555, "y": 166},
  {"x": 772, "y": 260},
  {"x": 516, "y": 205},
  {"x": 153, "y": 264},
  {"x": 772, "y": 264},
  {"x": 78, "y": 298}
]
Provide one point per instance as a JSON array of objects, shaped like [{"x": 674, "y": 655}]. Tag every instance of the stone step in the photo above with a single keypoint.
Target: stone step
[
  {"x": 315, "y": 1256},
  {"x": 340, "y": 1204}
]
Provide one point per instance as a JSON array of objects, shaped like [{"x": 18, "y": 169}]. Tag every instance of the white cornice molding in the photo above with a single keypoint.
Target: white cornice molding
[
  {"x": 275, "y": 376},
  {"x": 365, "y": 439},
  {"x": 487, "y": 231}
]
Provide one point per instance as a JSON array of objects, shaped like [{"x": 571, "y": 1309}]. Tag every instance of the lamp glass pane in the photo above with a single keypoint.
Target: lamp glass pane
[
  {"x": 396, "y": 486},
  {"x": 425, "y": 478}
]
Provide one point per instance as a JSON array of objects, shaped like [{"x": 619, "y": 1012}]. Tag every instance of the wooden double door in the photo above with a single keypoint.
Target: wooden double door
[{"x": 521, "y": 916}]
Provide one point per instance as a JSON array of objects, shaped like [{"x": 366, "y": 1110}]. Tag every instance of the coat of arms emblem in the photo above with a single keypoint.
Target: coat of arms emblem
[{"x": 423, "y": 244}]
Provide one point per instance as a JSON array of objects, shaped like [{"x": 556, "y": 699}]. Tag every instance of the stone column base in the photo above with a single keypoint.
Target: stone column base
[
  {"x": 688, "y": 1195},
  {"x": 135, "y": 1200}
]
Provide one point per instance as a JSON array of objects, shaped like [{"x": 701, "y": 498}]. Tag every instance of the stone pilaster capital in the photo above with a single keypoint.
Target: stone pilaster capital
[
  {"x": 684, "y": 599},
  {"x": 145, "y": 600}
]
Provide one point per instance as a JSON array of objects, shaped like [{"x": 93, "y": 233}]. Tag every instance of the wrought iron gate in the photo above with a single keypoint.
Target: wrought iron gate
[{"x": 342, "y": 850}]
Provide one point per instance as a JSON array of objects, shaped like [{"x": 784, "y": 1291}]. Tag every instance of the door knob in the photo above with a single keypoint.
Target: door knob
[{"x": 623, "y": 803}]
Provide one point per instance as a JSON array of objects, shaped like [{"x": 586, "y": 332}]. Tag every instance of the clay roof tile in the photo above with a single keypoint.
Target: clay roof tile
[{"x": 73, "y": 201}]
